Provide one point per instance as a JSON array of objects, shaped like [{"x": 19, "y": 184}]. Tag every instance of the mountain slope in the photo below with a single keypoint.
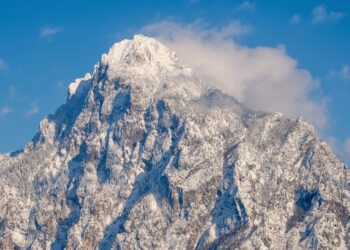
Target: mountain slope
[{"x": 143, "y": 156}]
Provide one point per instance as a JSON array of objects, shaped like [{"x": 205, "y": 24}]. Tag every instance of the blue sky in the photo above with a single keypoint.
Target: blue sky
[{"x": 45, "y": 45}]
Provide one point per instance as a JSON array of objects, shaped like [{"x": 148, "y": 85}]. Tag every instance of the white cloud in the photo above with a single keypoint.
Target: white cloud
[
  {"x": 3, "y": 65},
  {"x": 246, "y": 5},
  {"x": 263, "y": 78},
  {"x": 343, "y": 74},
  {"x": 320, "y": 14},
  {"x": 49, "y": 31},
  {"x": 296, "y": 19},
  {"x": 33, "y": 110},
  {"x": 5, "y": 111}
]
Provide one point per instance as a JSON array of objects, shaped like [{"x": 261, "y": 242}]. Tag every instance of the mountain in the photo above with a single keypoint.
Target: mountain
[{"x": 145, "y": 156}]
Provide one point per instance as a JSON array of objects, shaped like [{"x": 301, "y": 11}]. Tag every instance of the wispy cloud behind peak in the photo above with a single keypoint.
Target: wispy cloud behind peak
[{"x": 263, "y": 78}]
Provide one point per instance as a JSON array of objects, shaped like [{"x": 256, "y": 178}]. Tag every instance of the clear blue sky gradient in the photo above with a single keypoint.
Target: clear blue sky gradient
[{"x": 40, "y": 68}]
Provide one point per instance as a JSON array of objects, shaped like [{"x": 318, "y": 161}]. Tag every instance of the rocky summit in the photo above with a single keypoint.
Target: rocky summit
[{"x": 143, "y": 155}]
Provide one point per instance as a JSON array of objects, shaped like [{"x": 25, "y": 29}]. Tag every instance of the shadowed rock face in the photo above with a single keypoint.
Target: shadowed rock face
[{"x": 142, "y": 156}]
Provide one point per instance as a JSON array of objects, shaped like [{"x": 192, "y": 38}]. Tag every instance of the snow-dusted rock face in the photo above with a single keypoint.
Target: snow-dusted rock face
[{"x": 142, "y": 156}]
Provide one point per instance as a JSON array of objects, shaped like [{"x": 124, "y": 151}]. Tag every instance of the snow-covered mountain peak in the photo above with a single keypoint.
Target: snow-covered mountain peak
[
  {"x": 140, "y": 50},
  {"x": 146, "y": 64},
  {"x": 142, "y": 56},
  {"x": 142, "y": 156}
]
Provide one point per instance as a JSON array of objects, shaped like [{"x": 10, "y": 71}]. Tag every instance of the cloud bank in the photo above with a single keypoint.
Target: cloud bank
[{"x": 263, "y": 78}]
